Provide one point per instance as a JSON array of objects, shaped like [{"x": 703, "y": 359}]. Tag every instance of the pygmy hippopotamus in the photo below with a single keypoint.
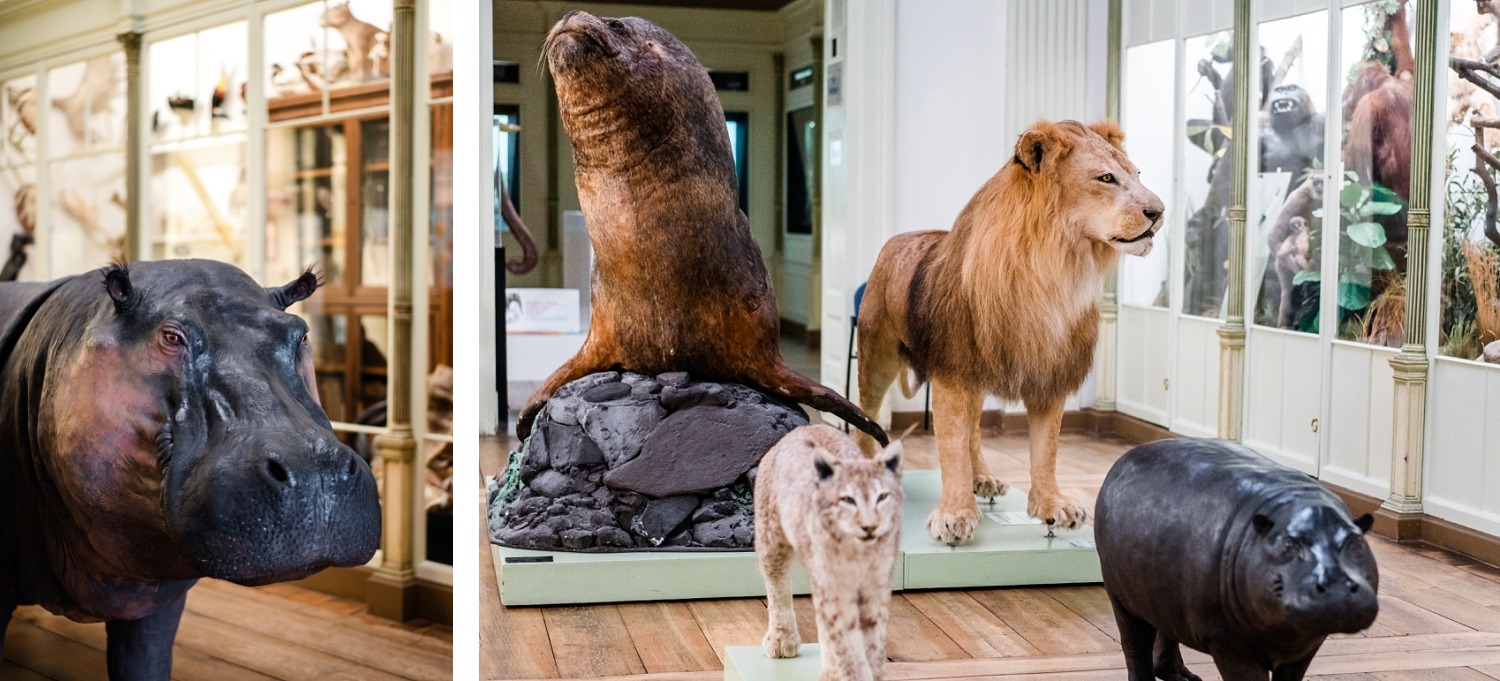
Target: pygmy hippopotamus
[
  {"x": 1209, "y": 544},
  {"x": 158, "y": 424}
]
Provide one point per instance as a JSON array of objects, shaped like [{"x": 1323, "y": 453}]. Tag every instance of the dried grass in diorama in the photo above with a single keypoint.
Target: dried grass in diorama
[{"x": 1484, "y": 277}]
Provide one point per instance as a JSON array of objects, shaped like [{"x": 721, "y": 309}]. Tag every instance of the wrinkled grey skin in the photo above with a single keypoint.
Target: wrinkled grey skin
[
  {"x": 159, "y": 424},
  {"x": 1208, "y": 544}
]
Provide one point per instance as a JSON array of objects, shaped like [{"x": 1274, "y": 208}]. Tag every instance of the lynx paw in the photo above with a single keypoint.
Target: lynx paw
[
  {"x": 1056, "y": 509},
  {"x": 989, "y": 487},
  {"x": 952, "y": 527},
  {"x": 780, "y": 644}
]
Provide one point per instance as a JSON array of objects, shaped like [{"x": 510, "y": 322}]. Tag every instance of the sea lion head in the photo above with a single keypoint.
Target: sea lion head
[{"x": 626, "y": 86}]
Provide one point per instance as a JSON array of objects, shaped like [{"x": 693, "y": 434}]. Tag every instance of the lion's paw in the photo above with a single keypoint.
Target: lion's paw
[
  {"x": 780, "y": 643},
  {"x": 989, "y": 487},
  {"x": 952, "y": 527},
  {"x": 1056, "y": 509}
]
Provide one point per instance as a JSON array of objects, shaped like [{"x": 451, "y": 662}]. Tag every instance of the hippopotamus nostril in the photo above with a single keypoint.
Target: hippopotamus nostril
[
  {"x": 351, "y": 467},
  {"x": 1353, "y": 586},
  {"x": 276, "y": 474}
]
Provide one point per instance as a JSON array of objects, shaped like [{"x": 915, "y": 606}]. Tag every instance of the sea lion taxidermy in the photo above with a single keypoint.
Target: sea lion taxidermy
[{"x": 679, "y": 284}]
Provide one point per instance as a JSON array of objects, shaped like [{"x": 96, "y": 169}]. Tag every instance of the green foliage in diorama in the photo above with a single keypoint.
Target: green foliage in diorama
[
  {"x": 1361, "y": 248},
  {"x": 1378, "y": 47},
  {"x": 1461, "y": 331}
]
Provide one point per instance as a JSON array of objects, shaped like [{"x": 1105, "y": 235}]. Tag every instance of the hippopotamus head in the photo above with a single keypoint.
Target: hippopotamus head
[
  {"x": 187, "y": 436},
  {"x": 1309, "y": 569}
]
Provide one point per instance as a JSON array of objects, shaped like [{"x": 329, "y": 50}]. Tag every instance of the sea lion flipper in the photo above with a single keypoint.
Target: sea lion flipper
[
  {"x": 586, "y": 362},
  {"x": 792, "y": 385}
]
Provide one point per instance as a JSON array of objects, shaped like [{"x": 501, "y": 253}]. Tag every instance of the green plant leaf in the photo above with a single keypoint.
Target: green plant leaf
[
  {"x": 1351, "y": 175},
  {"x": 1382, "y": 260},
  {"x": 1353, "y": 295},
  {"x": 1384, "y": 194},
  {"x": 1306, "y": 276},
  {"x": 1383, "y": 208},
  {"x": 1367, "y": 234},
  {"x": 1350, "y": 195},
  {"x": 1318, "y": 213}
]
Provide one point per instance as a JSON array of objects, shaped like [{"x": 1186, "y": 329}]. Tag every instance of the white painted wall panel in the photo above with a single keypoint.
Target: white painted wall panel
[
  {"x": 1284, "y": 372},
  {"x": 1358, "y": 455},
  {"x": 1460, "y": 416},
  {"x": 1207, "y": 16},
  {"x": 1196, "y": 388},
  {"x": 1142, "y": 367}
]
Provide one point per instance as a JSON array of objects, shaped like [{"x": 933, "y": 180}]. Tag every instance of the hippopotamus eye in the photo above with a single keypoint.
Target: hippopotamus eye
[
  {"x": 1107, "y": 178},
  {"x": 616, "y": 23},
  {"x": 1290, "y": 546},
  {"x": 171, "y": 337}
]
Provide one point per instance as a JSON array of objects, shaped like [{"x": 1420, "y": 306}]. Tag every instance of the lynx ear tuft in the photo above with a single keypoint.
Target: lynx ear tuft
[{"x": 823, "y": 465}]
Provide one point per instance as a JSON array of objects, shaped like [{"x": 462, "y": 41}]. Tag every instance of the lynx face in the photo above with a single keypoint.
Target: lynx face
[{"x": 859, "y": 499}]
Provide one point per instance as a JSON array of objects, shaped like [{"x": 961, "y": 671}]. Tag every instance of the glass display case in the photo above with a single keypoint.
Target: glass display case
[
  {"x": 1206, "y": 173},
  {"x": 1469, "y": 317},
  {"x": 1375, "y": 183},
  {"x": 1144, "y": 281},
  {"x": 1285, "y": 255}
]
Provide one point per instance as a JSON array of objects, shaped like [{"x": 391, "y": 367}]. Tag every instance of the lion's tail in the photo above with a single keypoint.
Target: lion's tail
[
  {"x": 908, "y": 387},
  {"x": 783, "y": 381}
]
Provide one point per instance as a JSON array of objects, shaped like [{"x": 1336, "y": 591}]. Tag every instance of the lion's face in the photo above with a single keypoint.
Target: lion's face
[{"x": 1104, "y": 200}]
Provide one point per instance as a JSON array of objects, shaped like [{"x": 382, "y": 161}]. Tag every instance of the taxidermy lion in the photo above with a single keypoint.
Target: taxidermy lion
[{"x": 1007, "y": 304}]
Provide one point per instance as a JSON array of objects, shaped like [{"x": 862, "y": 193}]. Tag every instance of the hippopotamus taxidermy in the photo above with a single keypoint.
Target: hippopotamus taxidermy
[
  {"x": 1208, "y": 544},
  {"x": 158, "y": 424}
]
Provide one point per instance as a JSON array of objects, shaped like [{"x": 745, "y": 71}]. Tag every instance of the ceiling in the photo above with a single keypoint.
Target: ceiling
[{"x": 757, "y": 5}]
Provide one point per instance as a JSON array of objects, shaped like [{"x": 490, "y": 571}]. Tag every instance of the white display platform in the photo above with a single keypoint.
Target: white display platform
[
  {"x": 749, "y": 663},
  {"x": 1000, "y": 555}
]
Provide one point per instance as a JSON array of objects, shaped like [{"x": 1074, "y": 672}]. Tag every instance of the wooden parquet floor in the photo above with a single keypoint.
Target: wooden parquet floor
[
  {"x": 1439, "y": 618},
  {"x": 237, "y": 633}
]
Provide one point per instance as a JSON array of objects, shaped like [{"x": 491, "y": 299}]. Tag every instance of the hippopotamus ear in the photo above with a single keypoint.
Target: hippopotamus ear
[
  {"x": 117, "y": 284},
  {"x": 1364, "y": 523},
  {"x": 823, "y": 464},
  {"x": 1263, "y": 524},
  {"x": 299, "y": 290}
]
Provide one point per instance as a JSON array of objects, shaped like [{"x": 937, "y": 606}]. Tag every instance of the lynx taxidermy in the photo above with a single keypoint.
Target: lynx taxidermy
[{"x": 818, "y": 497}]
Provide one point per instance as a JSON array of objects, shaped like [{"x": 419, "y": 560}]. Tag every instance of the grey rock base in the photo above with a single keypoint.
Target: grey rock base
[{"x": 625, "y": 462}]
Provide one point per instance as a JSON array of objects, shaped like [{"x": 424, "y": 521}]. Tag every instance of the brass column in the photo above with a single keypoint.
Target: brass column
[
  {"x": 134, "y": 149},
  {"x": 1401, "y": 510},
  {"x": 392, "y": 591},
  {"x": 1106, "y": 352},
  {"x": 1232, "y": 333}
]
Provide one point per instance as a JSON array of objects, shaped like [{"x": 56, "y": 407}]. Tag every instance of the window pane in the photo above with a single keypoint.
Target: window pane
[
  {"x": 87, "y": 110},
  {"x": 1374, "y": 187},
  {"x": 440, "y": 44},
  {"x": 374, "y": 196},
  {"x": 1206, "y": 171},
  {"x": 1148, "y": 134},
  {"x": 306, "y": 201},
  {"x": 19, "y": 121},
  {"x": 198, "y": 203},
  {"x": 1284, "y": 252},
  {"x": 87, "y": 213},
  {"x": 1470, "y": 317},
  {"x": 294, "y": 41},
  {"x": 359, "y": 42},
  {"x": 197, "y": 83},
  {"x": 18, "y": 206}
]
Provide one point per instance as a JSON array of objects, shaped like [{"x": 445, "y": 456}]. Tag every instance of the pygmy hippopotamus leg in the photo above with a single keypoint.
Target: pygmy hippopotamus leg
[
  {"x": 141, "y": 650},
  {"x": 1292, "y": 671},
  {"x": 7, "y": 607},
  {"x": 1169, "y": 666},
  {"x": 1232, "y": 667},
  {"x": 1137, "y": 637}
]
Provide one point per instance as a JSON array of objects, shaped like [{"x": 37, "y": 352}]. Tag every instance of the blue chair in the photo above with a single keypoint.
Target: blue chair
[{"x": 859, "y": 296}]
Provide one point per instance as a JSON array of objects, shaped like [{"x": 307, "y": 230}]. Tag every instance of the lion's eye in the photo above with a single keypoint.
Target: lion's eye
[
  {"x": 883, "y": 496},
  {"x": 171, "y": 337},
  {"x": 847, "y": 500},
  {"x": 1107, "y": 178}
]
